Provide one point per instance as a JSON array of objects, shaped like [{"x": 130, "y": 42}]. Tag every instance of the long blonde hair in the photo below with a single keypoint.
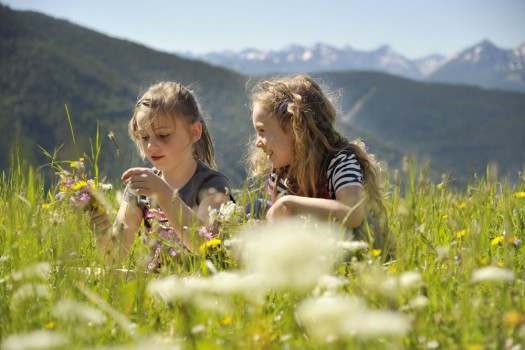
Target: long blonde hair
[
  {"x": 171, "y": 99},
  {"x": 300, "y": 102}
]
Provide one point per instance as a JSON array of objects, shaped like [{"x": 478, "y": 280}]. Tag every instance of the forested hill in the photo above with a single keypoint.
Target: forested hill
[{"x": 47, "y": 63}]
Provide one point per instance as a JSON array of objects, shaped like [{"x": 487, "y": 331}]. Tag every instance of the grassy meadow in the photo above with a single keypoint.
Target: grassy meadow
[{"x": 458, "y": 281}]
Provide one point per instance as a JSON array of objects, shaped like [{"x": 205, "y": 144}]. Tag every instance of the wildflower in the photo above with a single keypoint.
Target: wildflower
[
  {"x": 35, "y": 340},
  {"x": 272, "y": 251},
  {"x": 461, "y": 233},
  {"x": 376, "y": 252},
  {"x": 214, "y": 242},
  {"x": 374, "y": 323},
  {"x": 513, "y": 318},
  {"x": 226, "y": 321},
  {"x": 70, "y": 310},
  {"x": 46, "y": 206},
  {"x": 49, "y": 325},
  {"x": 462, "y": 205},
  {"x": 519, "y": 194},
  {"x": 323, "y": 317},
  {"x": 514, "y": 240},
  {"x": 492, "y": 273},
  {"x": 352, "y": 246},
  {"x": 497, "y": 240}
]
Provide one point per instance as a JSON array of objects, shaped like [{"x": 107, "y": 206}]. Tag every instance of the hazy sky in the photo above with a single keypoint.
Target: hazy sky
[{"x": 414, "y": 28}]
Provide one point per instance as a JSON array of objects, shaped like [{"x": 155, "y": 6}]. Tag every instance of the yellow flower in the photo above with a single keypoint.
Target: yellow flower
[
  {"x": 500, "y": 264},
  {"x": 462, "y": 205},
  {"x": 519, "y": 194},
  {"x": 483, "y": 261},
  {"x": 209, "y": 244},
  {"x": 49, "y": 325},
  {"x": 513, "y": 318},
  {"x": 497, "y": 240},
  {"x": 46, "y": 206},
  {"x": 474, "y": 347},
  {"x": 78, "y": 185},
  {"x": 226, "y": 321},
  {"x": 461, "y": 233},
  {"x": 376, "y": 252},
  {"x": 512, "y": 239},
  {"x": 444, "y": 217}
]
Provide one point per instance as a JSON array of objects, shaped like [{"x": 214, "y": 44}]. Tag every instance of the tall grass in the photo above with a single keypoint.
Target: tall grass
[{"x": 458, "y": 281}]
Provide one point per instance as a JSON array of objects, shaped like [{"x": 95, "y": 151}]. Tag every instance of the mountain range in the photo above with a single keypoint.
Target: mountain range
[
  {"x": 47, "y": 64},
  {"x": 483, "y": 64}
]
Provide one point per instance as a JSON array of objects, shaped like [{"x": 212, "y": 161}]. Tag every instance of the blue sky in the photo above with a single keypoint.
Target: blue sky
[{"x": 414, "y": 28}]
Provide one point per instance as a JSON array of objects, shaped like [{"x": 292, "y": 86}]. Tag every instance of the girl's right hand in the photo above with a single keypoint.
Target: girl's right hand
[{"x": 99, "y": 222}]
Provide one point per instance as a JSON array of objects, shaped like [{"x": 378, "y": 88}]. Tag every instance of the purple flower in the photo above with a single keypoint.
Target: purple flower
[
  {"x": 203, "y": 231},
  {"x": 84, "y": 198}
]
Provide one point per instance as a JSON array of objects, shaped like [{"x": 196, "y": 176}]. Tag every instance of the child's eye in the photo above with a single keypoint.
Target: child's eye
[
  {"x": 164, "y": 136},
  {"x": 144, "y": 138}
]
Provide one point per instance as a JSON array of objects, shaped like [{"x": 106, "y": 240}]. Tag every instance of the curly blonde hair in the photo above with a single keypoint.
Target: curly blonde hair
[
  {"x": 171, "y": 99},
  {"x": 299, "y": 101}
]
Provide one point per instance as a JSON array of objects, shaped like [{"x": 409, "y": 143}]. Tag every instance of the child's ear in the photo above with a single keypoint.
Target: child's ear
[{"x": 195, "y": 131}]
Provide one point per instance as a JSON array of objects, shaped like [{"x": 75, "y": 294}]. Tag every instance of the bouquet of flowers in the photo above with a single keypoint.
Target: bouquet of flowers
[{"x": 82, "y": 192}]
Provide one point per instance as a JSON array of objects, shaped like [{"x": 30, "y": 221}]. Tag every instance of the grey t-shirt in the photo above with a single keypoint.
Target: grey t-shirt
[{"x": 204, "y": 180}]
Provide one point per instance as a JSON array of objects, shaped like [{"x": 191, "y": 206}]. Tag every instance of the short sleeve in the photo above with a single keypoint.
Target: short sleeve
[{"x": 344, "y": 171}]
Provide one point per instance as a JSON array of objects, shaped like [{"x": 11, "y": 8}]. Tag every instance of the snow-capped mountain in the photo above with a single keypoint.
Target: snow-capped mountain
[
  {"x": 483, "y": 64},
  {"x": 320, "y": 57},
  {"x": 486, "y": 65}
]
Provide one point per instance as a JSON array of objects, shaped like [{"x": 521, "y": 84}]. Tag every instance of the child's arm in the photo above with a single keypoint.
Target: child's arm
[
  {"x": 347, "y": 208},
  {"x": 114, "y": 242},
  {"x": 179, "y": 215}
]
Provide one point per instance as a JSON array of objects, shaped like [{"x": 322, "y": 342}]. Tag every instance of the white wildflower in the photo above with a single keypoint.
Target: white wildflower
[
  {"x": 352, "y": 246},
  {"x": 35, "y": 340},
  {"x": 30, "y": 291},
  {"x": 70, "y": 310},
  {"x": 329, "y": 284},
  {"x": 288, "y": 253},
  {"x": 492, "y": 273},
  {"x": 410, "y": 280},
  {"x": 40, "y": 270},
  {"x": 419, "y": 302},
  {"x": 324, "y": 317},
  {"x": 374, "y": 323}
]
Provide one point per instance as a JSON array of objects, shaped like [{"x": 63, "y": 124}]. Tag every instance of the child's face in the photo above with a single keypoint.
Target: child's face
[
  {"x": 167, "y": 143},
  {"x": 275, "y": 141}
]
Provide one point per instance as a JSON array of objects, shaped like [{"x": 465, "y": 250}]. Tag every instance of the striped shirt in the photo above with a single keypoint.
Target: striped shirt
[{"x": 343, "y": 171}]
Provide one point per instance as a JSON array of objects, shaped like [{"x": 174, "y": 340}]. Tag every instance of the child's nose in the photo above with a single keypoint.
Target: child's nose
[{"x": 259, "y": 143}]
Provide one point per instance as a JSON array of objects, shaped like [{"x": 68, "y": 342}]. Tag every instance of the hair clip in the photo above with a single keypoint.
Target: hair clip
[{"x": 281, "y": 111}]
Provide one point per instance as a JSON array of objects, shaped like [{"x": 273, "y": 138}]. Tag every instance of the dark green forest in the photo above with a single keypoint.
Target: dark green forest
[{"x": 46, "y": 64}]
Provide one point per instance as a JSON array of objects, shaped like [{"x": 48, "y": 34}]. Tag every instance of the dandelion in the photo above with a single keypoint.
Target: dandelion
[
  {"x": 376, "y": 252},
  {"x": 513, "y": 318},
  {"x": 209, "y": 245},
  {"x": 519, "y": 194},
  {"x": 462, "y": 205},
  {"x": 497, "y": 240},
  {"x": 226, "y": 321},
  {"x": 461, "y": 233},
  {"x": 492, "y": 273}
]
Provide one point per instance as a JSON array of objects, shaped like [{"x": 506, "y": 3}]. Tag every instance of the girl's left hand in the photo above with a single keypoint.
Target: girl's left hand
[
  {"x": 144, "y": 182},
  {"x": 278, "y": 209}
]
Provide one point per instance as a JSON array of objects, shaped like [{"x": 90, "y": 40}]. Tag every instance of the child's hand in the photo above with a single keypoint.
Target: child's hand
[
  {"x": 144, "y": 182},
  {"x": 99, "y": 222},
  {"x": 278, "y": 209}
]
